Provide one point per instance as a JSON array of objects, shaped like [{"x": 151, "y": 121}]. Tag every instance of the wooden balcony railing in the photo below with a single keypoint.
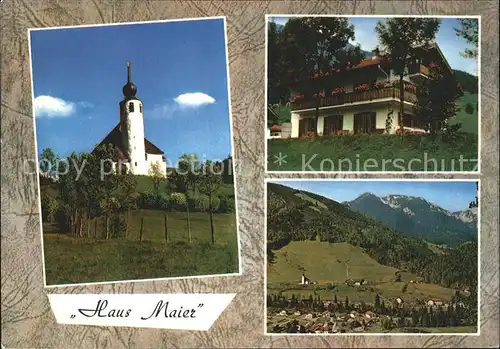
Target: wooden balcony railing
[
  {"x": 419, "y": 69},
  {"x": 353, "y": 97}
]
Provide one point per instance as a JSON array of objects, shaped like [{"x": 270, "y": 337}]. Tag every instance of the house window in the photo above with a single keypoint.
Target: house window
[
  {"x": 413, "y": 121},
  {"x": 146, "y": 157},
  {"x": 135, "y": 163},
  {"x": 131, "y": 107},
  {"x": 365, "y": 122},
  {"x": 306, "y": 126},
  {"x": 333, "y": 124}
]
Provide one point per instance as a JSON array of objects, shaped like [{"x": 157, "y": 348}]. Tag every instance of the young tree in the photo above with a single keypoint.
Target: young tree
[
  {"x": 189, "y": 167},
  {"x": 469, "y": 30},
  {"x": 127, "y": 195},
  {"x": 105, "y": 181},
  {"x": 475, "y": 202},
  {"x": 401, "y": 38},
  {"x": 315, "y": 47},
  {"x": 377, "y": 302},
  {"x": 48, "y": 162},
  {"x": 72, "y": 192},
  {"x": 156, "y": 176},
  {"x": 437, "y": 99},
  {"x": 209, "y": 183}
]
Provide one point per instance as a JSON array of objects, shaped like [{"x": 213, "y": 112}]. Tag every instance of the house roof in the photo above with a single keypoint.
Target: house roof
[
  {"x": 435, "y": 299},
  {"x": 381, "y": 59},
  {"x": 115, "y": 138}
]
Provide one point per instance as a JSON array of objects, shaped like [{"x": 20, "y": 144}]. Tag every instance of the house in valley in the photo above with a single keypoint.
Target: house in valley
[
  {"x": 305, "y": 280},
  {"x": 365, "y": 98},
  {"x": 434, "y": 302}
]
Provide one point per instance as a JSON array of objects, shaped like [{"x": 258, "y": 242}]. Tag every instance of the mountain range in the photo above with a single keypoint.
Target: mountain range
[{"x": 417, "y": 217}]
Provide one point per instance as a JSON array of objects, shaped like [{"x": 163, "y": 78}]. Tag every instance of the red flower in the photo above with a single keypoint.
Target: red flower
[
  {"x": 362, "y": 87},
  {"x": 382, "y": 84},
  {"x": 338, "y": 90}
]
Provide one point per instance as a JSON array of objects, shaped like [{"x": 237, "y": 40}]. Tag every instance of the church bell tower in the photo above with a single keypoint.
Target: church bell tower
[{"x": 132, "y": 127}]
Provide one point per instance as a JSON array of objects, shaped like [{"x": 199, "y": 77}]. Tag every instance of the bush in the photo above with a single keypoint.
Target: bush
[
  {"x": 452, "y": 133},
  {"x": 117, "y": 225},
  {"x": 227, "y": 204},
  {"x": 163, "y": 201},
  {"x": 151, "y": 200},
  {"x": 147, "y": 200},
  {"x": 204, "y": 203},
  {"x": 178, "y": 201},
  {"x": 469, "y": 108}
]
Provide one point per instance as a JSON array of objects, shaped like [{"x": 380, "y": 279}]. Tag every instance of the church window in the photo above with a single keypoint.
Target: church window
[
  {"x": 136, "y": 163},
  {"x": 146, "y": 156},
  {"x": 140, "y": 108},
  {"x": 131, "y": 107}
]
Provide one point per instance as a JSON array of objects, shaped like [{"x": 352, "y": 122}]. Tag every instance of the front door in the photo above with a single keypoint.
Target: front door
[
  {"x": 306, "y": 126},
  {"x": 365, "y": 122}
]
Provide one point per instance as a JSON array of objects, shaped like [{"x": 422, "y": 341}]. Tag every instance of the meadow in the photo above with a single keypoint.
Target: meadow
[
  {"x": 70, "y": 259},
  {"x": 375, "y": 153},
  {"x": 332, "y": 264}
]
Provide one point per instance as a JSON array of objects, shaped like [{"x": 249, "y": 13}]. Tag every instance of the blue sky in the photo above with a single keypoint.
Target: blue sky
[
  {"x": 452, "y": 196},
  {"x": 448, "y": 41},
  {"x": 180, "y": 71}
]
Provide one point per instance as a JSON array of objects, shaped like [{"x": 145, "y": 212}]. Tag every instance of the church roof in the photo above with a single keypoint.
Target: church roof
[{"x": 115, "y": 138}]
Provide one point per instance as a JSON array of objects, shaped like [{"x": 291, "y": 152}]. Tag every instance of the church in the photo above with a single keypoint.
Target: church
[{"x": 132, "y": 149}]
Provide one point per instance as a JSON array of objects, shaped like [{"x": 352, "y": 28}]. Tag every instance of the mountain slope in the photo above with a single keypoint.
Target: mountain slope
[
  {"x": 329, "y": 263},
  {"x": 467, "y": 113},
  {"x": 417, "y": 217},
  {"x": 296, "y": 215}
]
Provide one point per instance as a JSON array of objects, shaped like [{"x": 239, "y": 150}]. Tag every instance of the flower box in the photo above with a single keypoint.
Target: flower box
[
  {"x": 362, "y": 87},
  {"x": 382, "y": 84},
  {"x": 297, "y": 97},
  {"x": 320, "y": 95},
  {"x": 338, "y": 90}
]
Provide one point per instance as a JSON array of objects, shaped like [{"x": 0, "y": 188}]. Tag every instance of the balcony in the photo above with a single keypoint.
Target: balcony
[
  {"x": 418, "y": 71},
  {"x": 355, "y": 97}
]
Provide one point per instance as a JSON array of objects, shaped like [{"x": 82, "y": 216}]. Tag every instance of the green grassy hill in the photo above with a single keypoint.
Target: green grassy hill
[
  {"x": 468, "y": 120},
  {"x": 326, "y": 264},
  {"x": 333, "y": 264},
  {"x": 77, "y": 260}
]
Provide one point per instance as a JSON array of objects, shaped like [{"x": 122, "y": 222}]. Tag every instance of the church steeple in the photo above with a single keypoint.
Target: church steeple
[{"x": 129, "y": 90}]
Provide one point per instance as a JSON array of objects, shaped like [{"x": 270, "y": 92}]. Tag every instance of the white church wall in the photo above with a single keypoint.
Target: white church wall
[{"x": 134, "y": 136}]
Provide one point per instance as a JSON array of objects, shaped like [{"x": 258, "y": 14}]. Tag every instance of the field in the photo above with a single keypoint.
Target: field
[
  {"x": 331, "y": 264},
  {"x": 80, "y": 260},
  {"x": 374, "y": 153}
]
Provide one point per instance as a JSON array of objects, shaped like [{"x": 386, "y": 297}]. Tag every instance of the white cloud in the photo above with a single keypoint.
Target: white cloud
[
  {"x": 194, "y": 100},
  {"x": 50, "y": 107}
]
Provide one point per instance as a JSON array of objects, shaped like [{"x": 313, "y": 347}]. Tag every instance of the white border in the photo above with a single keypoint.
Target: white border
[
  {"x": 478, "y": 17},
  {"x": 238, "y": 234},
  {"x": 277, "y": 180}
]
